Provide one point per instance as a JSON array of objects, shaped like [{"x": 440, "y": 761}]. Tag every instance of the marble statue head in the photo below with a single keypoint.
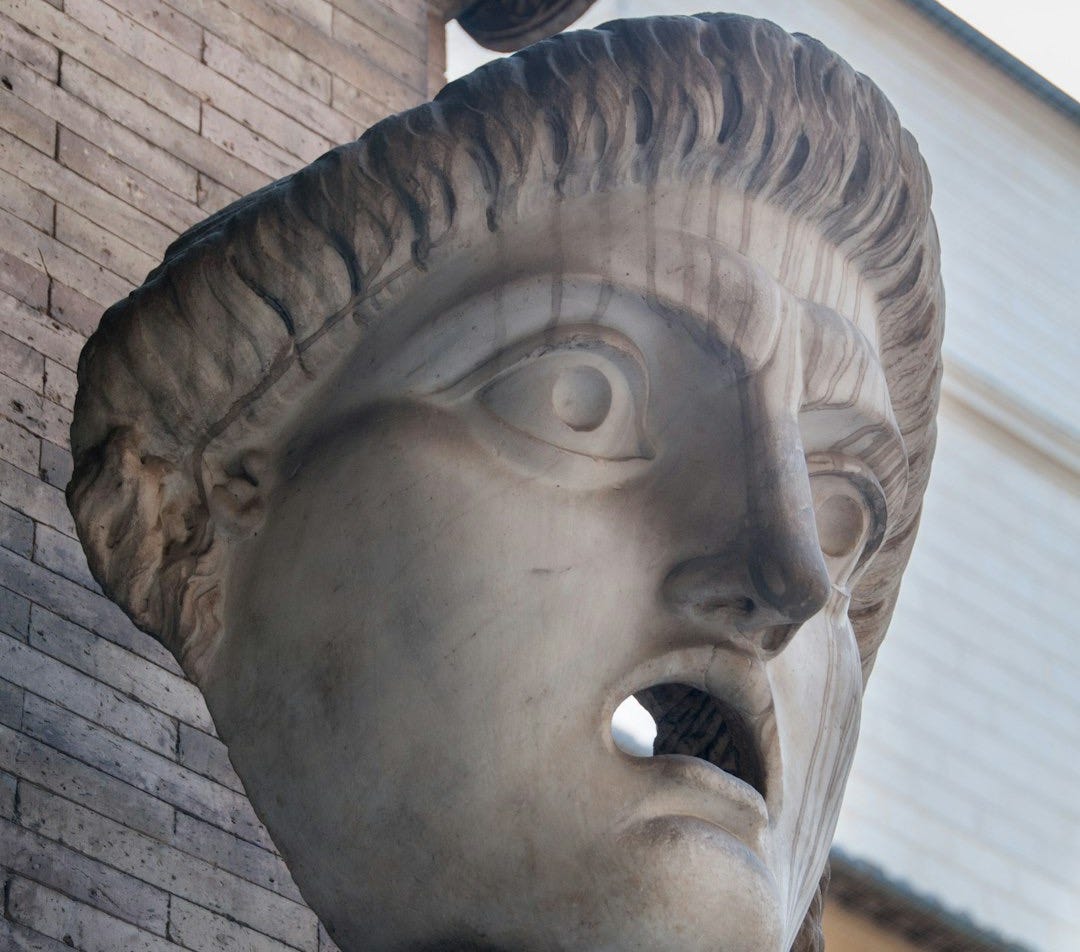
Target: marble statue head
[{"x": 610, "y": 372}]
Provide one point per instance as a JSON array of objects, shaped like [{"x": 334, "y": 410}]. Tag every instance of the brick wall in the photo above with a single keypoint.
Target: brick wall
[{"x": 122, "y": 123}]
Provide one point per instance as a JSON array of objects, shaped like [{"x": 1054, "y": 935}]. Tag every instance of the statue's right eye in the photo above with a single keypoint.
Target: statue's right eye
[
  {"x": 581, "y": 390},
  {"x": 583, "y": 396}
]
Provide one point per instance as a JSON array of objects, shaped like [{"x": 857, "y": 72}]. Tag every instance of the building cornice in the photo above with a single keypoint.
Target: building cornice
[
  {"x": 896, "y": 908},
  {"x": 1000, "y": 57},
  {"x": 1056, "y": 446}
]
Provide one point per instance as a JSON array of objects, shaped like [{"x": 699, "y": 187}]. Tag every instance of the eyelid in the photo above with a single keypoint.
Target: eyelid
[
  {"x": 562, "y": 338},
  {"x": 874, "y": 442},
  {"x": 528, "y": 402}
]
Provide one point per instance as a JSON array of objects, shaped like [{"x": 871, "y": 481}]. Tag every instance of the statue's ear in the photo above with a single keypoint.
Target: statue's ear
[{"x": 236, "y": 492}]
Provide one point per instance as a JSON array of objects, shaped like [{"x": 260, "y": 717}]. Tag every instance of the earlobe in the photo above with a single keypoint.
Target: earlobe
[{"x": 236, "y": 494}]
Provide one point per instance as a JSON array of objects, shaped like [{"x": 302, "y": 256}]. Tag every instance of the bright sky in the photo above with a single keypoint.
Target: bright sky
[{"x": 1041, "y": 33}]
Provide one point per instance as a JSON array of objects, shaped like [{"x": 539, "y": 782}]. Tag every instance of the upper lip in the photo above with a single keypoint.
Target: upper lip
[{"x": 693, "y": 786}]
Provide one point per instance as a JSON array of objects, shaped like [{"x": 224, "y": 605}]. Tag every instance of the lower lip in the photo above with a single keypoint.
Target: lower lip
[
  {"x": 698, "y": 793},
  {"x": 676, "y": 832}
]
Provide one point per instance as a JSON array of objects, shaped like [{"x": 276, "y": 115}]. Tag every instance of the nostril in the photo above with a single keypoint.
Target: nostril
[
  {"x": 775, "y": 639},
  {"x": 795, "y": 589},
  {"x": 735, "y": 606}
]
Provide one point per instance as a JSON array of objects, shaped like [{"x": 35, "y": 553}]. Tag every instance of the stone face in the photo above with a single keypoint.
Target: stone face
[{"x": 610, "y": 373}]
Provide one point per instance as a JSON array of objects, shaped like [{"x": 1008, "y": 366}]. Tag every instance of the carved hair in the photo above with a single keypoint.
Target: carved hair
[{"x": 256, "y": 305}]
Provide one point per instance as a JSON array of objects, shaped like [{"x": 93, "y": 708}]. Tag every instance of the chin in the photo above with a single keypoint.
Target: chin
[
  {"x": 674, "y": 884},
  {"x": 671, "y": 884},
  {"x": 695, "y": 888}
]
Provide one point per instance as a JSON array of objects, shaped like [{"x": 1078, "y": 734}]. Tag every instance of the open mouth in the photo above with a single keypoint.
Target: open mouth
[{"x": 693, "y": 723}]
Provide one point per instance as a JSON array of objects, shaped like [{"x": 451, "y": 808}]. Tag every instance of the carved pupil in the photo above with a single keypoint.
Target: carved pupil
[
  {"x": 841, "y": 525},
  {"x": 581, "y": 397}
]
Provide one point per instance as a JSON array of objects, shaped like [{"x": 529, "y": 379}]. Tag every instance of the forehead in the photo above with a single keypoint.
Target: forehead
[
  {"x": 731, "y": 322},
  {"x": 704, "y": 251},
  {"x": 644, "y": 279},
  {"x": 717, "y": 266}
]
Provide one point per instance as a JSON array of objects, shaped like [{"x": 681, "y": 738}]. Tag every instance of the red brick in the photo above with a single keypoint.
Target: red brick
[
  {"x": 170, "y": 25},
  {"x": 37, "y": 330},
  {"x": 19, "y": 447},
  {"x": 81, "y": 196},
  {"x": 33, "y": 207},
  {"x": 40, "y": 56},
  {"x": 21, "y": 363},
  {"x": 23, "y": 281},
  {"x": 82, "y": 44},
  {"x": 277, "y": 91},
  {"x": 157, "y": 127},
  {"x": 262, "y": 46},
  {"x": 25, "y": 121},
  {"x": 119, "y": 256},
  {"x": 77, "y": 312},
  {"x": 89, "y": 122}
]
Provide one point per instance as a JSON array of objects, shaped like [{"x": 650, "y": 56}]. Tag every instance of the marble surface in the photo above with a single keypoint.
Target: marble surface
[{"x": 609, "y": 374}]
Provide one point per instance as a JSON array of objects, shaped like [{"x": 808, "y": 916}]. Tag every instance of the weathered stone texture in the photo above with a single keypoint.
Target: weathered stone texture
[{"x": 122, "y": 123}]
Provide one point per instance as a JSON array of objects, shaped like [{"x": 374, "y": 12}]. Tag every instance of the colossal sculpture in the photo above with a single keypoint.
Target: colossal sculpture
[{"x": 610, "y": 372}]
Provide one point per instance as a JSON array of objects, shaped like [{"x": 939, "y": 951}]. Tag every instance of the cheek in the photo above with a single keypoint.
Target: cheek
[
  {"x": 417, "y": 559},
  {"x": 461, "y": 541}
]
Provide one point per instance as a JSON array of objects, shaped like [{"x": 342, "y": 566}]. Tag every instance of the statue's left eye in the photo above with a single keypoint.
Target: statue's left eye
[
  {"x": 849, "y": 509},
  {"x": 579, "y": 394}
]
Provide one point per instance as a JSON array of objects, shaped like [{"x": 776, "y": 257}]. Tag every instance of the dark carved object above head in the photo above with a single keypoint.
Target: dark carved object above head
[{"x": 508, "y": 25}]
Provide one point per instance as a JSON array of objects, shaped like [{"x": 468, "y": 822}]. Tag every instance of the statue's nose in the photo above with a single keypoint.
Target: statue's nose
[
  {"x": 760, "y": 580},
  {"x": 787, "y": 572},
  {"x": 756, "y": 592}
]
